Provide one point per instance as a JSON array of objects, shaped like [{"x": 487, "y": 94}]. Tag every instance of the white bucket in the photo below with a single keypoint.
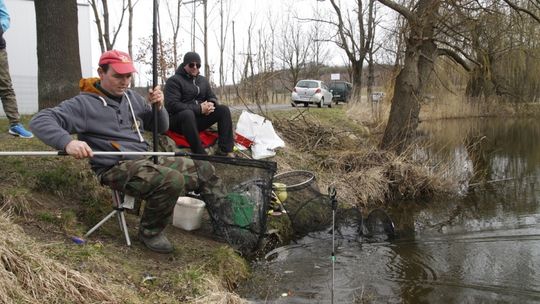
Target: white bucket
[{"x": 188, "y": 213}]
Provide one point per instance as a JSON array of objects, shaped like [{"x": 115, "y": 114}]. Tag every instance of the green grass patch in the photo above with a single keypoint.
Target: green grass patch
[
  {"x": 191, "y": 281},
  {"x": 228, "y": 266},
  {"x": 57, "y": 180}
]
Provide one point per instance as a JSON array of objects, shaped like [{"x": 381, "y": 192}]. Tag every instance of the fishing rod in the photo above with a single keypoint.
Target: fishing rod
[
  {"x": 119, "y": 153},
  {"x": 63, "y": 153},
  {"x": 256, "y": 163},
  {"x": 154, "y": 77},
  {"x": 333, "y": 200}
]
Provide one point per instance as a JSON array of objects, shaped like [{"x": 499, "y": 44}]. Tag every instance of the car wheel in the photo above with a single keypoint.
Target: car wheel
[
  {"x": 293, "y": 104},
  {"x": 321, "y": 103},
  {"x": 330, "y": 105},
  {"x": 306, "y": 104}
]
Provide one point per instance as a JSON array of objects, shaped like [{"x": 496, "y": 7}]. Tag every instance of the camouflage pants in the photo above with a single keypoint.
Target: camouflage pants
[
  {"x": 160, "y": 185},
  {"x": 7, "y": 94}
]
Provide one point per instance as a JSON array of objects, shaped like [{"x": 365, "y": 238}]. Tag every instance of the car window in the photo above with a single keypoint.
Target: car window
[
  {"x": 338, "y": 86},
  {"x": 307, "y": 84}
]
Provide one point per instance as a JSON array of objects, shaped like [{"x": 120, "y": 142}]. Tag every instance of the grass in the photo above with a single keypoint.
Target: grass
[
  {"x": 339, "y": 150},
  {"x": 44, "y": 201},
  {"x": 29, "y": 276}
]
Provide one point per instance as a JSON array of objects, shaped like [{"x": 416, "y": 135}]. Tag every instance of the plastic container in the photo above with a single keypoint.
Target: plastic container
[{"x": 188, "y": 213}]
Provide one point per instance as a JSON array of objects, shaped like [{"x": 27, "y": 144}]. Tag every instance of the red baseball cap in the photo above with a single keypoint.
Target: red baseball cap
[{"x": 119, "y": 61}]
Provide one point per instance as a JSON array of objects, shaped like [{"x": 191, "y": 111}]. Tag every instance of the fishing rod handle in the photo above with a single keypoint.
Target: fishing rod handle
[{"x": 332, "y": 194}]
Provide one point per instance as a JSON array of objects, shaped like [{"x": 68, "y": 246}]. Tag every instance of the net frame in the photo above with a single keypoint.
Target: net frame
[
  {"x": 253, "y": 179},
  {"x": 303, "y": 193}
]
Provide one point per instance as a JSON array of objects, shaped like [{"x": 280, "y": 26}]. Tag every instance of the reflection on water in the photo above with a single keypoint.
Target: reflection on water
[{"x": 483, "y": 247}]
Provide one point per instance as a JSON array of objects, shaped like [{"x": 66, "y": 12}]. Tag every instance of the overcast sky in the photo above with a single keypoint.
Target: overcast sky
[{"x": 241, "y": 12}]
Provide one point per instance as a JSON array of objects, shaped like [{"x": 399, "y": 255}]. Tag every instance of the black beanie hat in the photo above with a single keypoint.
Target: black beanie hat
[{"x": 190, "y": 57}]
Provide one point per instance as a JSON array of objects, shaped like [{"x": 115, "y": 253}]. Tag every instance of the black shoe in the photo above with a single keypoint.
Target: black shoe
[
  {"x": 220, "y": 152},
  {"x": 158, "y": 243}
]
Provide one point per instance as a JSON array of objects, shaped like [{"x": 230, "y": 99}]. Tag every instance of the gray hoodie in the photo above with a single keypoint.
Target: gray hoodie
[{"x": 100, "y": 122}]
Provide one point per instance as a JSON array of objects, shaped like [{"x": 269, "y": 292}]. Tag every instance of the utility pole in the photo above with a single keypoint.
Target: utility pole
[{"x": 317, "y": 41}]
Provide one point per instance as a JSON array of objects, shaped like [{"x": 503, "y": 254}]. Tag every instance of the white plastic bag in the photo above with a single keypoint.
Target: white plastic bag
[
  {"x": 245, "y": 129},
  {"x": 255, "y": 132}
]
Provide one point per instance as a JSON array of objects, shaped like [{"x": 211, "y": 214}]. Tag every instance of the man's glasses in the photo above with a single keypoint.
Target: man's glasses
[{"x": 193, "y": 64}]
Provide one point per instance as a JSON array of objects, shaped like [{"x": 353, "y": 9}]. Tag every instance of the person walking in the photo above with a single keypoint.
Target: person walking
[
  {"x": 108, "y": 116},
  {"x": 7, "y": 94},
  {"x": 193, "y": 107}
]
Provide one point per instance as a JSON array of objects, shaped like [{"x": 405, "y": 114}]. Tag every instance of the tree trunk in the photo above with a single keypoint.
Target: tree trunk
[
  {"x": 480, "y": 82},
  {"x": 370, "y": 78},
  {"x": 357, "y": 67},
  {"x": 420, "y": 55},
  {"x": 59, "y": 64},
  {"x": 130, "y": 35},
  {"x": 205, "y": 35}
]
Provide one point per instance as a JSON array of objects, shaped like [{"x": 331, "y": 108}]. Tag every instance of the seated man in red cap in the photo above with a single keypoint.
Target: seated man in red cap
[
  {"x": 108, "y": 116},
  {"x": 193, "y": 107}
]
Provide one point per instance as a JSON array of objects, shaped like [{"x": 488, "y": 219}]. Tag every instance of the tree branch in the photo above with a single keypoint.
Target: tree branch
[
  {"x": 521, "y": 9},
  {"x": 398, "y": 8},
  {"x": 454, "y": 56}
]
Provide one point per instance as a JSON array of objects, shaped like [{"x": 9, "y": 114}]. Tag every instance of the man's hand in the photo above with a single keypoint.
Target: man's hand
[
  {"x": 79, "y": 149},
  {"x": 155, "y": 96},
  {"x": 207, "y": 108}
]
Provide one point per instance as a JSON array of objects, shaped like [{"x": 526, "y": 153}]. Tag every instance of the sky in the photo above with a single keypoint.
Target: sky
[{"x": 242, "y": 12}]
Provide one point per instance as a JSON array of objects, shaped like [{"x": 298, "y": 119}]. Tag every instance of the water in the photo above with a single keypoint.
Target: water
[{"x": 483, "y": 247}]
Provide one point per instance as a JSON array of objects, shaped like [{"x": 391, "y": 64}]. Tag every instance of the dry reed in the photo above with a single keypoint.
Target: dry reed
[
  {"x": 216, "y": 294},
  {"x": 28, "y": 276},
  {"x": 362, "y": 174}
]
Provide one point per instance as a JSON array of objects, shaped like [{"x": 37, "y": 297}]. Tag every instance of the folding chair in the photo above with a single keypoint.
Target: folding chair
[{"x": 121, "y": 202}]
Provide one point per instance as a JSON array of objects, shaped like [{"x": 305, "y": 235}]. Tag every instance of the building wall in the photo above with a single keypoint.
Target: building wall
[{"x": 22, "y": 51}]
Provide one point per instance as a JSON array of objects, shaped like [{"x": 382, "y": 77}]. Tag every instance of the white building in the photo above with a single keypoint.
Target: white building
[{"x": 22, "y": 50}]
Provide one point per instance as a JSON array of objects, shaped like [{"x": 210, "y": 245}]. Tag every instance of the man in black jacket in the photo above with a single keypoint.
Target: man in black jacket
[{"x": 193, "y": 107}]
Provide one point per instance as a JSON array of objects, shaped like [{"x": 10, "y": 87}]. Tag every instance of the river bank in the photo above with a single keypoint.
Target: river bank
[
  {"x": 54, "y": 199},
  {"x": 448, "y": 249}
]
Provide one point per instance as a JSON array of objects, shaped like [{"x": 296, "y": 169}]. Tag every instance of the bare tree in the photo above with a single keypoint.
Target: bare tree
[
  {"x": 174, "y": 18},
  {"x": 131, "y": 6},
  {"x": 165, "y": 59},
  {"x": 479, "y": 36},
  {"x": 104, "y": 31},
  {"x": 370, "y": 50},
  {"x": 223, "y": 28},
  {"x": 233, "y": 70},
  {"x": 59, "y": 64},
  {"x": 353, "y": 38},
  {"x": 224, "y": 13},
  {"x": 294, "y": 51},
  {"x": 420, "y": 55},
  {"x": 204, "y": 29}
]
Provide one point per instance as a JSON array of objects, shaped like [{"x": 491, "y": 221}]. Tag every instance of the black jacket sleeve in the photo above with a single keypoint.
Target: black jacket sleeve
[{"x": 173, "y": 98}]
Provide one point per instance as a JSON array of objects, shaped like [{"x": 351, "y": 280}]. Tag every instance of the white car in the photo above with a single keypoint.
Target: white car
[
  {"x": 377, "y": 96},
  {"x": 311, "y": 91}
]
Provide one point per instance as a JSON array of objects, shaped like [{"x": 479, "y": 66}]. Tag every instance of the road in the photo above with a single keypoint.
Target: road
[
  {"x": 272, "y": 107},
  {"x": 267, "y": 107}
]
